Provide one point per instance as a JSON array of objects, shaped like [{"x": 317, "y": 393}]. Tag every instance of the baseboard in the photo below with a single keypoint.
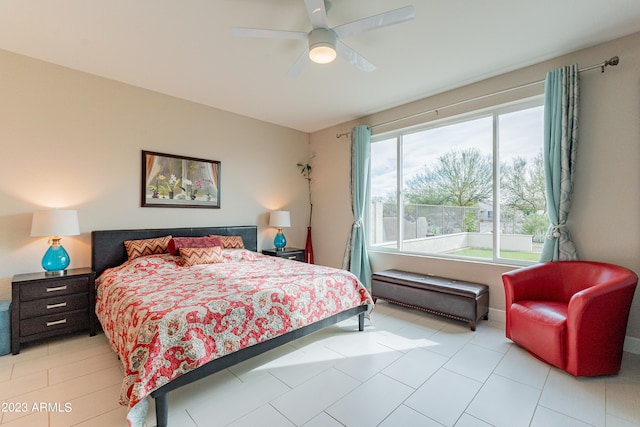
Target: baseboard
[
  {"x": 496, "y": 315},
  {"x": 631, "y": 344}
]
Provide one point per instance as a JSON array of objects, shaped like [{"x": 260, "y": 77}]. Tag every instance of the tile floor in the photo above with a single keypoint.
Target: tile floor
[{"x": 407, "y": 369}]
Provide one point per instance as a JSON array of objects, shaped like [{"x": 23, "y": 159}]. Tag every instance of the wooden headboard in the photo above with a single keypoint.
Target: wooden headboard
[{"x": 107, "y": 246}]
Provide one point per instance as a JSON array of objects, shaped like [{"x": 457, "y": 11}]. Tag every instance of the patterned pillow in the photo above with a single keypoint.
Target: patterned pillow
[
  {"x": 230, "y": 242},
  {"x": 138, "y": 248},
  {"x": 194, "y": 256},
  {"x": 177, "y": 243}
]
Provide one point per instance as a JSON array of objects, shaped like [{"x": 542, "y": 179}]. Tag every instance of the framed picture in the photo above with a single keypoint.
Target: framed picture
[{"x": 171, "y": 181}]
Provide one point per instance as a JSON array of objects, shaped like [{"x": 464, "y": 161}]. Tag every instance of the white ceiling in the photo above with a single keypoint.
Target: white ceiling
[{"x": 185, "y": 48}]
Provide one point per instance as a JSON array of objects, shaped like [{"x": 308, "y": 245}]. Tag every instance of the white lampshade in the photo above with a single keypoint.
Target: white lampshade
[
  {"x": 55, "y": 222},
  {"x": 280, "y": 219}
]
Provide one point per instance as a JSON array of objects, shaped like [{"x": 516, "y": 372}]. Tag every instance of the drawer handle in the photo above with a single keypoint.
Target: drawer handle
[
  {"x": 60, "y": 304},
  {"x": 292, "y": 257},
  {"x": 59, "y": 288},
  {"x": 57, "y": 322}
]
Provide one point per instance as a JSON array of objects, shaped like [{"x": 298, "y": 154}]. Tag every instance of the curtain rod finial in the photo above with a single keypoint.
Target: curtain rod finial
[{"x": 613, "y": 61}]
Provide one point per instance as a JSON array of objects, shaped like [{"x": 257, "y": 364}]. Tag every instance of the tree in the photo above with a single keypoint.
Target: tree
[
  {"x": 458, "y": 178},
  {"x": 471, "y": 221},
  {"x": 423, "y": 189},
  {"x": 537, "y": 225},
  {"x": 523, "y": 185}
]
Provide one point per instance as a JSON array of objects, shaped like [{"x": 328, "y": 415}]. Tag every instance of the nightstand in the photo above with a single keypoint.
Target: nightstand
[
  {"x": 288, "y": 253},
  {"x": 47, "y": 306}
]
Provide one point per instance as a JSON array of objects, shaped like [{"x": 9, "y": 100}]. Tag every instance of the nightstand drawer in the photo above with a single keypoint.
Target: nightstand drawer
[
  {"x": 53, "y": 288},
  {"x": 71, "y": 320},
  {"x": 46, "y": 306},
  {"x": 296, "y": 256}
]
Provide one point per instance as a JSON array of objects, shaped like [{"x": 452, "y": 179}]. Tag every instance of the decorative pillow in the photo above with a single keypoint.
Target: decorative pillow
[
  {"x": 177, "y": 243},
  {"x": 194, "y": 256},
  {"x": 138, "y": 248},
  {"x": 230, "y": 242}
]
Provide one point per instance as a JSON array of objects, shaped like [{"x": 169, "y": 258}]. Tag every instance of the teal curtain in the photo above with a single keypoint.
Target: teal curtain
[
  {"x": 356, "y": 258},
  {"x": 560, "y": 144}
]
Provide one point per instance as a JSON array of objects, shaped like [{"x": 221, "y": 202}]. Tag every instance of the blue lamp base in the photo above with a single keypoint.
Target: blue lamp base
[
  {"x": 279, "y": 241},
  {"x": 55, "y": 260}
]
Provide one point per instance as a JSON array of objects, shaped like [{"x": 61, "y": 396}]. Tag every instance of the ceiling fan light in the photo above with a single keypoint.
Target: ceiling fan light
[
  {"x": 322, "y": 54},
  {"x": 322, "y": 45}
]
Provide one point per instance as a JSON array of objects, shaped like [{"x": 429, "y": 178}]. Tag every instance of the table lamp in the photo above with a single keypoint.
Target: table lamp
[
  {"x": 55, "y": 223},
  {"x": 280, "y": 219}
]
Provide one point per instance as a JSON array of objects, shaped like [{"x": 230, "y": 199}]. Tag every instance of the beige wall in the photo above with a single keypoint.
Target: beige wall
[
  {"x": 73, "y": 140},
  {"x": 604, "y": 220}
]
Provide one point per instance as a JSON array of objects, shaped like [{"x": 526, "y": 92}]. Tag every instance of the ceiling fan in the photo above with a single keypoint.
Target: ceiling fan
[{"x": 326, "y": 43}]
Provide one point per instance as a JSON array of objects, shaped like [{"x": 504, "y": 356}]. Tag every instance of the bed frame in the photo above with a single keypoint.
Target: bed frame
[{"x": 107, "y": 250}]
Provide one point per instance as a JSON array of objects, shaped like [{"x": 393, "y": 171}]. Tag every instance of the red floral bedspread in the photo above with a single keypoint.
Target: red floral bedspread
[{"x": 164, "y": 319}]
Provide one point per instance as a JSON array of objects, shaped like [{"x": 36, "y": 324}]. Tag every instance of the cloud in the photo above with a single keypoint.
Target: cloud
[{"x": 520, "y": 134}]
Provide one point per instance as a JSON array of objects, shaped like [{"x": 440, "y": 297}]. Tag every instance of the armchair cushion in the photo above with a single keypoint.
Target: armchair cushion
[{"x": 542, "y": 327}]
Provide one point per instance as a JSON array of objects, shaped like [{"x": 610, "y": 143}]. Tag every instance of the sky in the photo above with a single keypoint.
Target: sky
[{"x": 520, "y": 134}]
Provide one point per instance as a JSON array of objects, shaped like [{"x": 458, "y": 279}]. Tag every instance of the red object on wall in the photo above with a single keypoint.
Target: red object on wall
[
  {"x": 308, "y": 249},
  {"x": 571, "y": 314}
]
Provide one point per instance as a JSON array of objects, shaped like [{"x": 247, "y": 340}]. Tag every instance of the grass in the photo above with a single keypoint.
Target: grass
[{"x": 488, "y": 253}]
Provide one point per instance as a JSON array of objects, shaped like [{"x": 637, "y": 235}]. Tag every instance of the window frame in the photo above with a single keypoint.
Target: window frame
[{"x": 492, "y": 111}]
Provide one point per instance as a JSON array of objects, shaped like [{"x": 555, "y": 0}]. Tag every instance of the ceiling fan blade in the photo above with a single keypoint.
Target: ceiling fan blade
[
  {"x": 269, "y": 34},
  {"x": 317, "y": 13},
  {"x": 385, "y": 19},
  {"x": 353, "y": 57},
  {"x": 300, "y": 64}
]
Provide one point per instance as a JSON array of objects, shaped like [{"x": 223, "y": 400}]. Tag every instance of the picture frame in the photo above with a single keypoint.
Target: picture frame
[{"x": 173, "y": 181}]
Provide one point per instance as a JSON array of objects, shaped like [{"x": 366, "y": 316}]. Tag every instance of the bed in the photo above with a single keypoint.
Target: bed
[{"x": 172, "y": 324}]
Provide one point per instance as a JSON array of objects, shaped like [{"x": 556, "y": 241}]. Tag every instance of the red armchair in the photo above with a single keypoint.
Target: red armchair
[{"x": 571, "y": 314}]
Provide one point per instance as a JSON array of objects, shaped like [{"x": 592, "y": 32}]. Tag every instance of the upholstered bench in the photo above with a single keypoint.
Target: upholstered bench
[{"x": 464, "y": 301}]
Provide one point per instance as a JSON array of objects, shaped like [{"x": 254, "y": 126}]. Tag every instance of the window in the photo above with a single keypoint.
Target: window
[{"x": 470, "y": 186}]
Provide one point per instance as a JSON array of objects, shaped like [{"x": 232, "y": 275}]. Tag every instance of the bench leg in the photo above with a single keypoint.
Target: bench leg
[
  {"x": 361, "y": 322},
  {"x": 472, "y": 324}
]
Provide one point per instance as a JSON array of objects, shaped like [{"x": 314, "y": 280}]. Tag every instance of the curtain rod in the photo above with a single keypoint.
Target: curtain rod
[{"x": 613, "y": 61}]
